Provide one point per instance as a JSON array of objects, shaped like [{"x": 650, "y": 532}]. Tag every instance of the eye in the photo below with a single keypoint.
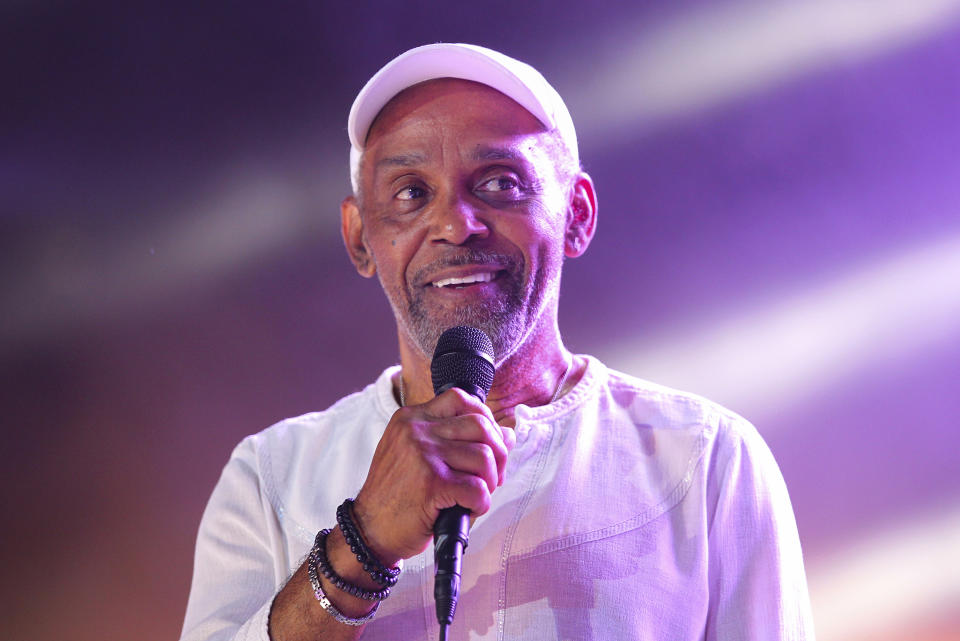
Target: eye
[
  {"x": 410, "y": 192},
  {"x": 499, "y": 184}
]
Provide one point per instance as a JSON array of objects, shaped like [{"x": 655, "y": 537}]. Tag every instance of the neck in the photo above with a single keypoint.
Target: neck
[{"x": 530, "y": 375}]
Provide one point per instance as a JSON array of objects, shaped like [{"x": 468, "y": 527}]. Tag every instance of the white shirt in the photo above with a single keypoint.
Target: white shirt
[{"x": 629, "y": 511}]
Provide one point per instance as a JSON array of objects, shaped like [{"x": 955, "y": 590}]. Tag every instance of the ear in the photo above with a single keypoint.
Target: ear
[
  {"x": 581, "y": 216},
  {"x": 351, "y": 226}
]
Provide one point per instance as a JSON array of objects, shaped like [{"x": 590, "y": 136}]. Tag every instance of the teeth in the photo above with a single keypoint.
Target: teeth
[{"x": 484, "y": 277}]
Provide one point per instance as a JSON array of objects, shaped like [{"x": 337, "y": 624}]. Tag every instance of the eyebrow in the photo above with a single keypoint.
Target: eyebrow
[
  {"x": 402, "y": 160},
  {"x": 497, "y": 153},
  {"x": 480, "y": 154}
]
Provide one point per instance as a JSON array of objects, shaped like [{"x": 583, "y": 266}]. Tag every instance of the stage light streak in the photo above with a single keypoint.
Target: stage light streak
[
  {"x": 245, "y": 215},
  {"x": 763, "y": 359},
  {"x": 894, "y": 580},
  {"x": 705, "y": 57}
]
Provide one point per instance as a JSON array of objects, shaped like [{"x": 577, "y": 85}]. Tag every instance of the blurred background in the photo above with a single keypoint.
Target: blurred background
[{"x": 778, "y": 183}]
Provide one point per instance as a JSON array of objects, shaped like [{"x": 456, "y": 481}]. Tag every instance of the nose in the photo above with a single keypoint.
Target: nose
[{"x": 457, "y": 221}]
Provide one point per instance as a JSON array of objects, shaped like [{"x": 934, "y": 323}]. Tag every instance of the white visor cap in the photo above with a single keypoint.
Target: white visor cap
[{"x": 515, "y": 79}]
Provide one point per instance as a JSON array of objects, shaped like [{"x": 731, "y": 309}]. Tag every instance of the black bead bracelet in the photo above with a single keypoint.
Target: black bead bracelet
[
  {"x": 382, "y": 575},
  {"x": 318, "y": 560}
]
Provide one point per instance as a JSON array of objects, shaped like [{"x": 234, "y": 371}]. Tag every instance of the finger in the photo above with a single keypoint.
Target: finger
[
  {"x": 476, "y": 459},
  {"x": 454, "y": 402},
  {"x": 509, "y": 436},
  {"x": 466, "y": 490},
  {"x": 474, "y": 428}
]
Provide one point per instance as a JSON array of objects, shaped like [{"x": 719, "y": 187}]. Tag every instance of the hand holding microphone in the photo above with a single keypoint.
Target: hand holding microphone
[{"x": 446, "y": 452}]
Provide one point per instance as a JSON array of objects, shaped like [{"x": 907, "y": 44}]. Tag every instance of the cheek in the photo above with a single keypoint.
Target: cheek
[
  {"x": 397, "y": 259},
  {"x": 544, "y": 231},
  {"x": 391, "y": 242}
]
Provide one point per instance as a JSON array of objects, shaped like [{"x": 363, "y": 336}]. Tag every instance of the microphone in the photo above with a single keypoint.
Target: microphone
[{"x": 463, "y": 358}]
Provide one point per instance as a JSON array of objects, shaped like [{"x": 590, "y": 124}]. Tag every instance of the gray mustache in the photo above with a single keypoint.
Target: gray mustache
[{"x": 468, "y": 257}]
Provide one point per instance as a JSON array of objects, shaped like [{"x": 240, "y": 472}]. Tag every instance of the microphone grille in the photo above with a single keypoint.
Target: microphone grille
[{"x": 463, "y": 358}]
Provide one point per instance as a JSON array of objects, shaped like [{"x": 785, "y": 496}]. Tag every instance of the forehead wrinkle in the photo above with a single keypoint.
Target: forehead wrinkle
[{"x": 427, "y": 145}]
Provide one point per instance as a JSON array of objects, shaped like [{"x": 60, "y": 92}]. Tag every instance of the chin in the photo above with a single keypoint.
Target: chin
[{"x": 503, "y": 332}]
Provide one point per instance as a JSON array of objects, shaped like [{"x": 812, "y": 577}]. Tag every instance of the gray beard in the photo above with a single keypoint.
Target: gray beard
[{"x": 504, "y": 320}]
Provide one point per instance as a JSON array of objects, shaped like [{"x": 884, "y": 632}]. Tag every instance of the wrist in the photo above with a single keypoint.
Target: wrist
[
  {"x": 362, "y": 519},
  {"x": 340, "y": 590},
  {"x": 344, "y": 562}
]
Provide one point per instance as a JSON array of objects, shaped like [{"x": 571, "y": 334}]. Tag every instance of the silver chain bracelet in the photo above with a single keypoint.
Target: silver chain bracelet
[{"x": 322, "y": 598}]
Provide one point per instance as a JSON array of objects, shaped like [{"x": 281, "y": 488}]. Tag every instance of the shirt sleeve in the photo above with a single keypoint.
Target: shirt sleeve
[
  {"x": 757, "y": 581},
  {"x": 234, "y": 576}
]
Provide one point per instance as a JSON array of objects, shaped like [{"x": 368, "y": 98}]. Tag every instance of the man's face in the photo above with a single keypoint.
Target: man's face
[{"x": 464, "y": 214}]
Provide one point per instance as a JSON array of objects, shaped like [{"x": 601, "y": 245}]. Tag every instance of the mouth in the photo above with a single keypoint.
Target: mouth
[{"x": 459, "y": 282}]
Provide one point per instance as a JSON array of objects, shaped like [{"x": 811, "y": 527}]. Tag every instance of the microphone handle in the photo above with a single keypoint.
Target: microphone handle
[{"x": 450, "y": 535}]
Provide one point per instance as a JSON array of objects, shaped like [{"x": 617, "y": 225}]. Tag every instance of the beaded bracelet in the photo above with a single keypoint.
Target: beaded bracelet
[
  {"x": 382, "y": 575},
  {"x": 322, "y": 564},
  {"x": 318, "y": 590}
]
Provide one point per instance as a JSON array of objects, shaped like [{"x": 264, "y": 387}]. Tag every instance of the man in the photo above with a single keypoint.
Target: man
[{"x": 603, "y": 507}]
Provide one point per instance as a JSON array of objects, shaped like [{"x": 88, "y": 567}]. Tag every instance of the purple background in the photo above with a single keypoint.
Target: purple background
[{"x": 778, "y": 189}]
